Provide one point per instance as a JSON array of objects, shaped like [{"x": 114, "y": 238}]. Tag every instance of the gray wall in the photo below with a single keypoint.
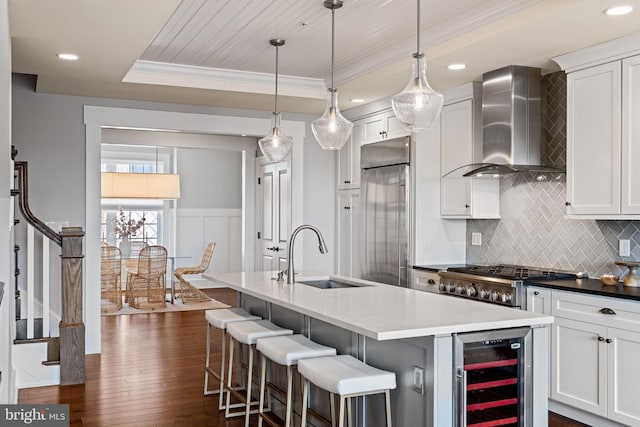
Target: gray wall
[
  {"x": 48, "y": 130},
  {"x": 209, "y": 179},
  {"x": 532, "y": 230}
]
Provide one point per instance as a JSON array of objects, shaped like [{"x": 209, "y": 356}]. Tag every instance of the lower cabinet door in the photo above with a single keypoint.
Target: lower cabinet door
[
  {"x": 579, "y": 367},
  {"x": 624, "y": 376}
]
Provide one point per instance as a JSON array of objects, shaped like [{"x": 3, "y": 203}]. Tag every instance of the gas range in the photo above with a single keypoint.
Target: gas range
[{"x": 498, "y": 284}]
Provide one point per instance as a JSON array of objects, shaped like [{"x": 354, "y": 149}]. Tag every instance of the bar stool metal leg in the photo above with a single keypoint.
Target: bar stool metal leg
[
  {"x": 207, "y": 369},
  {"x": 349, "y": 419},
  {"x": 305, "y": 402},
  {"x": 341, "y": 411},
  {"x": 387, "y": 404}
]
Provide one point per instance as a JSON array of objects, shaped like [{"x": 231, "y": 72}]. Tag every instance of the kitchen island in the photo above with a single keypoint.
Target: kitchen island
[{"x": 409, "y": 332}]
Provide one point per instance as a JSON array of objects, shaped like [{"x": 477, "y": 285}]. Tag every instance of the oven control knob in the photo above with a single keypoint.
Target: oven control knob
[
  {"x": 495, "y": 295},
  {"x": 484, "y": 293},
  {"x": 442, "y": 286},
  {"x": 471, "y": 291},
  {"x": 507, "y": 297},
  {"x": 460, "y": 289}
]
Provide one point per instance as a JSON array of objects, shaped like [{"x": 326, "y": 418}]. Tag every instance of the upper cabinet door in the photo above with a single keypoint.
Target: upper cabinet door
[
  {"x": 456, "y": 145},
  {"x": 631, "y": 135},
  {"x": 373, "y": 128},
  {"x": 593, "y": 140},
  {"x": 394, "y": 127},
  {"x": 349, "y": 160}
]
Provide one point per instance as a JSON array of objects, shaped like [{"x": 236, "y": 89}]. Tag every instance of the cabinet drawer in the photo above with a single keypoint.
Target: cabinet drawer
[
  {"x": 623, "y": 314},
  {"x": 425, "y": 280}
]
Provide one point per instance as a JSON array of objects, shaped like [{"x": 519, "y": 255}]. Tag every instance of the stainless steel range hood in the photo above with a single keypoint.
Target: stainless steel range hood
[{"x": 511, "y": 126}]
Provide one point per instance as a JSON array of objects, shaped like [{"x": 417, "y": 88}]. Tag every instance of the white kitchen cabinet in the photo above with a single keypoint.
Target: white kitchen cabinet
[
  {"x": 630, "y": 203},
  {"x": 538, "y": 300},
  {"x": 595, "y": 343},
  {"x": 593, "y": 140},
  {"x": 349, "y": 160},
  {"x": 603, "y": 130},
  {"x": 578, "y": 367},
  {"x": 380, "y": 126},
  {"x": 348, "y": 253},
  {"x": 461, "y": 144}
]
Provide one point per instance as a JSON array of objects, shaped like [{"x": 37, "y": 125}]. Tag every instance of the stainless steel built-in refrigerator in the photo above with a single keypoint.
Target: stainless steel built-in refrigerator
[{"x": 384, "y": 192}]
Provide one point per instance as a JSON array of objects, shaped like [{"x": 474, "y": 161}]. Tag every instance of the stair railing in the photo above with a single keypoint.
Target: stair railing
[{"x": 71, "y": 326}]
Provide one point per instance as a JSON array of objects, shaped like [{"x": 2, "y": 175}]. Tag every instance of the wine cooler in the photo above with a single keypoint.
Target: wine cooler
[{"x": 493, "y": 383}]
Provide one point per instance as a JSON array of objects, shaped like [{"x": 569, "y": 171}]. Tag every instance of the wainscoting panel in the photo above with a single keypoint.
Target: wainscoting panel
[{"x": 195, "y": 228}]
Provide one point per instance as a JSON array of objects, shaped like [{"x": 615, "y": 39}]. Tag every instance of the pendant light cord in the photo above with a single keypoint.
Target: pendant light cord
[
  {"x": 275, "y": 107},
  {"x": 418, "y": 26},
  {"x": 333, "y": 40}
]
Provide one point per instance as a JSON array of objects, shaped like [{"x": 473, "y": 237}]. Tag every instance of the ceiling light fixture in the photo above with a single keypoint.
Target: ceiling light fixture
[
  {"x": 456, "y": 67},
  {"x": 275, "y": 146},
  {"x": 418, "y": 105},
  {"x": 617, "y": 10},
  {"x": 332, "y": 130},
  {"x": 356, "y": 100},
  {"x": 68, "y": 56},
  {"x": 119, "y": 185}
]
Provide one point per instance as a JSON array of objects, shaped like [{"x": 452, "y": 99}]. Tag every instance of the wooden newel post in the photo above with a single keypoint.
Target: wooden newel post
[{"x": 72, "y": 334}]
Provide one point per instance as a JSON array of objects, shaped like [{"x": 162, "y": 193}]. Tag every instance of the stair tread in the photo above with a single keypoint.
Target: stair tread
[{"x": 21, "y": 330}]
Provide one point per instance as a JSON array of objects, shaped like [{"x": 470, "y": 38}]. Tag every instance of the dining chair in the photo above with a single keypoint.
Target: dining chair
[
  {"x": 188, "y": 292},
  {"x": 145, "y": 284},
  {"x": 110, "y": 274}
]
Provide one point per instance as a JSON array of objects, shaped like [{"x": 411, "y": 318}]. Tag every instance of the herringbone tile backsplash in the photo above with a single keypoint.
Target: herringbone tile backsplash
[{"x": 532, "y": 230}]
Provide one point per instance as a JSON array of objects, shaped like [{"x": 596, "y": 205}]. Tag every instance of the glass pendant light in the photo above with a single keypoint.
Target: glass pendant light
[
  {"x": 332, "y": 130},
  {"x": 275, "y": 146},
  {"x": 418, "y": 105}
]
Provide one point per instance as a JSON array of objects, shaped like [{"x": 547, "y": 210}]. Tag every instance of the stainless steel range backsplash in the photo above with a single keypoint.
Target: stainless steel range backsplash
[{"x": 532, "y": 229}]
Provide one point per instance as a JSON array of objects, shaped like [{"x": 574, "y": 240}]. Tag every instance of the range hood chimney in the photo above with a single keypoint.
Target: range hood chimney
[{"x": 511, "y": 126}]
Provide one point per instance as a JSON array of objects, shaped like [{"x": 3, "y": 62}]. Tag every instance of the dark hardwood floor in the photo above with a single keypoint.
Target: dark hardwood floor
[{"x": 150, "y": 373}]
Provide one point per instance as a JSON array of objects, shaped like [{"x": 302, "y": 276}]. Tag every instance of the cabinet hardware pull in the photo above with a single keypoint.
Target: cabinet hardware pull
[
  {"x": 608, "y": 340},
  {"x": 277, "y": 249},
  {"x": 607, "y": 311},
  {"x": 536, "y": 293},
  {"x": 466, "y": 206},
  {"x": 347, "y": 207},
  {"x": 600, "y": 339},
  {"x": 567, "y": 203},
  {"x": 347, "y": 182}
]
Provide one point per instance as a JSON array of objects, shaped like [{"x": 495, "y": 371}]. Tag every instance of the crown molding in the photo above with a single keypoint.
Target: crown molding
[
  {"x": 165, "y": 74},
  {"x": 599, "y": 54}
]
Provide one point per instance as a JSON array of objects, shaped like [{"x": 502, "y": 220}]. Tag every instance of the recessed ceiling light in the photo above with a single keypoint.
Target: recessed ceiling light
[
  {"x": 617, "y": 10},
  {"x": 68, "y": 56},
  {"x": 456, "y": 67},
  {"x": 356, "y": 100}
]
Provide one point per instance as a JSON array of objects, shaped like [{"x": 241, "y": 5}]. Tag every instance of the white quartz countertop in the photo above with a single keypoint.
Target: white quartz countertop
[{"x": 379, "y": 311}]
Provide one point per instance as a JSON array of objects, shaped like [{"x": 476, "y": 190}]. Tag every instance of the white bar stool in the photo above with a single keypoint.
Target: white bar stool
[
  {"x": 286, "y": 351},
  {"x": 220, "y": 318},
  {"x": 347, "y": 377},
  {"x": 248, "y": 333}
]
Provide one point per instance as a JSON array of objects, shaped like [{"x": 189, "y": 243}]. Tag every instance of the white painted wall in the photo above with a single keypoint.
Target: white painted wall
[
  {"x": 7, "y": 392},
  {"x": 209, "y": 179}
]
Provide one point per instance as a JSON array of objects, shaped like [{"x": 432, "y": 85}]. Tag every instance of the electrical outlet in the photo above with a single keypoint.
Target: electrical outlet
[
  {"x": 624, "y": 247},
  {"x": 476, "y": 239},
  {"x": 418, "y": 379}
]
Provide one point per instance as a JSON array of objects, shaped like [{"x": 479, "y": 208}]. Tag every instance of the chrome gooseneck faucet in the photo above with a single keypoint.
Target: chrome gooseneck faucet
[{"x": 323, "y": 249}]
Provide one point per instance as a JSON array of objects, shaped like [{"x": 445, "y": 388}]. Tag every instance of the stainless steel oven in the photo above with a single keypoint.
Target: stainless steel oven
[{"x": 493, "y": 383}]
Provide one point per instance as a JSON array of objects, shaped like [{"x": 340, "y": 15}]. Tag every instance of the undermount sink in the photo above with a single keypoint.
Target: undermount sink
[{"x": 328, "y": 284}]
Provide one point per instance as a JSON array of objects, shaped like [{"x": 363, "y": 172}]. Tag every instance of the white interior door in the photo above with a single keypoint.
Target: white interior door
[{"x": 274, "y": 215}]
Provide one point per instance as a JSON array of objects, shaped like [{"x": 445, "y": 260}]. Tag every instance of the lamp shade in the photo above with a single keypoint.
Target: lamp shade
[
  {"x": 140, "y": 186},
  {"x": 418, "y": 105},
  {"x": 332, "y": 130},
  {"x": 275, "y": 146}
]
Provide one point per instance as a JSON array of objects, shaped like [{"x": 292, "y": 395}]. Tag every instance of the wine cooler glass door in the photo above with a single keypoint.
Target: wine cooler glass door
[{"x": 493, "y": 378}]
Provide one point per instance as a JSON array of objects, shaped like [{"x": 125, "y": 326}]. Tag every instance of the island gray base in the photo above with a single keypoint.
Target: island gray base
[{"x": 431, "y": 406}]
